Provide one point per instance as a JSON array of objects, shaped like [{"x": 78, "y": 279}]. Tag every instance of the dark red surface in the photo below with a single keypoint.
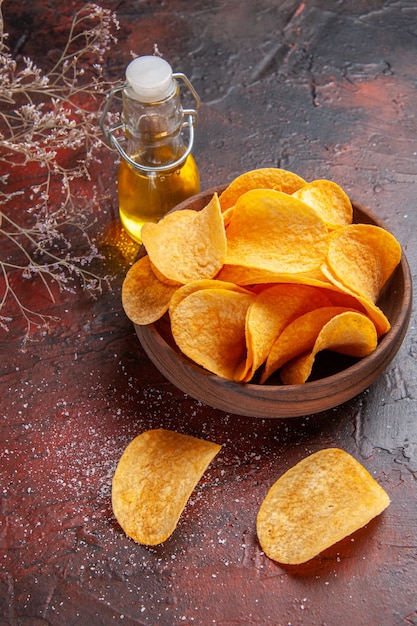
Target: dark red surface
[{"x": 326, "y": 89}]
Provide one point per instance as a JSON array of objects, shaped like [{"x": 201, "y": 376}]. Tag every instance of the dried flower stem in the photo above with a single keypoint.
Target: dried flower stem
[{"x": 50, "y": 137}]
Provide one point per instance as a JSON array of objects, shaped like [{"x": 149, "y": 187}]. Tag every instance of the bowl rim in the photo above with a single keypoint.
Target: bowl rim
[{"x": 281, "y": 401}]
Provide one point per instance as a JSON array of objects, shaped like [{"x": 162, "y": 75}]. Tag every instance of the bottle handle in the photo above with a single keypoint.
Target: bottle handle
[{"x": 114, "y": 141}]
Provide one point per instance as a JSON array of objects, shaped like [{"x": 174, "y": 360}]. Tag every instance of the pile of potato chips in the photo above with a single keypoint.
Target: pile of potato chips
[{"x": 267, "y": 275}]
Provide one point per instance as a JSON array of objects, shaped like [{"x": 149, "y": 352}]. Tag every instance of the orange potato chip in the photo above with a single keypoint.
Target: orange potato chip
[
  {"x": 227, "y": 214},
  {"x": 205, "y": 283},
  {"x": 153, "y": 481},
  {"x": 187, "y": 245},
  {"x": 164, "y": 279},
  {"x": 244, "y": 276},
  {"x": 263, "y": 178},
  {"x": 298, "y": 336},
  {"x": 350, "y": 333},
  {"x": 338, "y": 294},
  {"x": 323, "y": 499},
  {"x": 378, "y": 317},
  {"x": 273, "y": 231},
  {"x": 343, "y": 298},
  {"x": 363, "y": 257},
  {"x": 144, "y": 297},
  {"x": 208, "y": 326},
  {"x": 329, "y": 200},
  {"x": 360, "y": 260},
  {"x": 272, "y": 310}
]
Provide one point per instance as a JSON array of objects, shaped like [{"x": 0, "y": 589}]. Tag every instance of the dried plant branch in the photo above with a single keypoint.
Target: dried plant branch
[{"x": 49, "y": 136}]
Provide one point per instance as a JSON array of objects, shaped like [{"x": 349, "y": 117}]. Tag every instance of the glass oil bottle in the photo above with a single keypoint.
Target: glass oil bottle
[{"x": 157, "y": 170}]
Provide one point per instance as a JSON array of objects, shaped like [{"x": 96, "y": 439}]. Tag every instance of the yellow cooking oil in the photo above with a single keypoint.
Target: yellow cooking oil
[{"x": 146, "y": 197}]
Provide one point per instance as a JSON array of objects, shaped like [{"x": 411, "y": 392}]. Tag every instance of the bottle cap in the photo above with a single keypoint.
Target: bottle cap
[{"x": 151, "y": 79}]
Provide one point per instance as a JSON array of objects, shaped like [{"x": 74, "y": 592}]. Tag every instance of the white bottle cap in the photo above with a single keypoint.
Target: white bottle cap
[{"x": 150, "y": 78}]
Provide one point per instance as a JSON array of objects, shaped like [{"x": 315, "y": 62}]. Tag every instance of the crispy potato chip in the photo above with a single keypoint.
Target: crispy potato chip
[
  {"x": 208, "y": 326},
  {"x": 318, "y": 502},
  {"x": 298, "y": 336},
  {"x": 205, "y": 283},
  {"x": 363, "y": 257},
  {"x": 273, "y": 231},
  {"x": 343, "y": 298},
  {"x": 164, "y": 279},
  {"x": 272, "y": 310},
  {"x": 339, "y": 294},
  {"x": 244, "y": 276},
  {"x": 360, "y": 260},
  {"x": 227, "y": 214},
  {"x": 349, "y": 333},
  {"x": 153, "y": 481},
  {"x": 382, "y": 324},
  {"x": 329, "y": 200},
  {"x": 187, "y": 245},
  {"x": 144, "y": 297},
  {"x": 263, "y": 178}
]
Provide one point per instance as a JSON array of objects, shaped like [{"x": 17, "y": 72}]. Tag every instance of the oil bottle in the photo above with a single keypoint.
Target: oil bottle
[{"x": 157, "y": 170}]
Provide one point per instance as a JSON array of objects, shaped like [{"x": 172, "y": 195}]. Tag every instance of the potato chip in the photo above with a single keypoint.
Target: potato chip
[
  {"x": 164, "y": 279},
  {"x": 208, "y": 326},
  {"x": 273, "y": 231},
  {"x": 363, "y": 257},
  {"x": 329, "y": 200},
  {"x": 272, "y": 310},
  {"x": 360, "y": 260},
  {"x": 298, "y": 337},
  {"x": 153, "y": 481},
  {"x": 205, "y": 283},
  {"x": 339, "y": 295},
  {"x": 227, "y": 215},
  {"x": 349, "y": 333},
  {"x": 263, "y": 178},
  {"x": 144, "y": 297},
  {"x": 318, "y": 502},
  {"x": 187, "y": 245},
  {"x": 382, "y": 324},
  {"x": 344, "y": 299},
  {"x": 244, "y": 276}
]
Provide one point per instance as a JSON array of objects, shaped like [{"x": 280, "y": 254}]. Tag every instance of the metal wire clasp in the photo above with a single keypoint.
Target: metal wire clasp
[{"x": 116, "y": 134}]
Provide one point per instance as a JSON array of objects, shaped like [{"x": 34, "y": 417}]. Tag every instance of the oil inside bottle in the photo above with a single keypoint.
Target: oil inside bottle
[{"x": 147, "y": 197}]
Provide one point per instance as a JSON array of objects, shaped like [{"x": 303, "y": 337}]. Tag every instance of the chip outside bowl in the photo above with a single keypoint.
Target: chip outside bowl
[{"x": 284, "y": 401}]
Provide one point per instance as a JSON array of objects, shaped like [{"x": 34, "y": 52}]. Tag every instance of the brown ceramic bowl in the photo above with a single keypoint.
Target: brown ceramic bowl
[{"x": 336, "y": 379}]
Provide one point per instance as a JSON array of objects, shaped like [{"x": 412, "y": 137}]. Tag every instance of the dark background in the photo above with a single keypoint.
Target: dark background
[{"x": 326, "y": 89}]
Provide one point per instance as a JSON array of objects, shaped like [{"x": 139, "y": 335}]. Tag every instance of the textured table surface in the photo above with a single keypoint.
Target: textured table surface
[{"x": 328, "y": 90}]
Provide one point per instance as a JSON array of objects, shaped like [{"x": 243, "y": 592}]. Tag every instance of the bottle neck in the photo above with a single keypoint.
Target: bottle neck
[{"x": 153, "y": 130}]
